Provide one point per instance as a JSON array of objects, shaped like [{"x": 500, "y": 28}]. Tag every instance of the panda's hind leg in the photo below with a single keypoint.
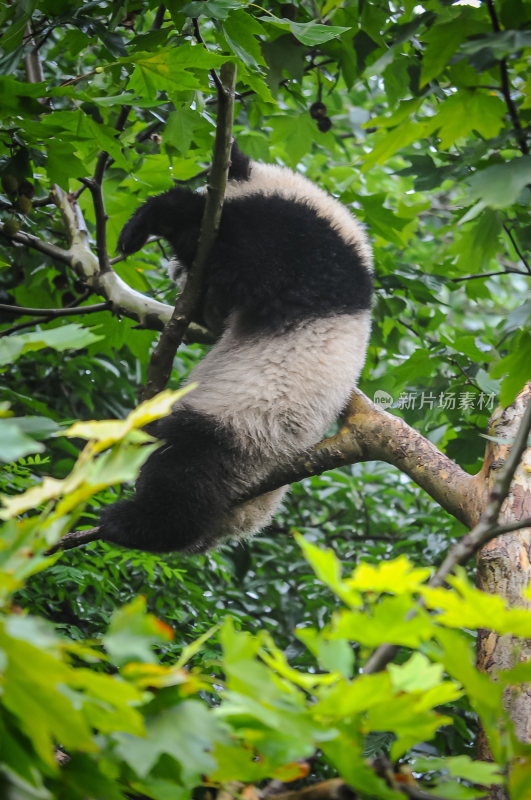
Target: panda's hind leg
[
  {"x": 184, "y": 490},
  {"x": 246, "y": 519}
]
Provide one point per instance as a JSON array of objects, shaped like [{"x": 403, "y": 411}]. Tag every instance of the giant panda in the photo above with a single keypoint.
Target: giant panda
[{"x": 288, "y": 292}]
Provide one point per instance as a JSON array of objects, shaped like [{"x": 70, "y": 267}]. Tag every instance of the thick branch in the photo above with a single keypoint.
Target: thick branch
[
  {"x": 162, "y": 358},
  {"x": 372, "y": 434}
]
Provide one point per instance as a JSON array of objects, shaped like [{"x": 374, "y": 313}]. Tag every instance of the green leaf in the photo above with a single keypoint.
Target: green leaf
[
  {"x": 66, "y": 337},
  {"x": 441, "y": 44},
  {"x": 462, "y": 767},
  {"x": 185, "y": 732},
  {"x": 418, "y": 673},
  {"x": 514, "y": 368},
  {"x": 500, "y": 185},
  {"x": 333, "y": 654},
  {"x": 383, "y": 221},
  {"x": 469, "y": 110},
  {"x": 295, "y": 134},
  {"x": 180, "y": 128},
  {"x": 327, "y": 567},
  {"x": 466, "y": 606},
  {"x": 395, "y": 576},
  {"x": 133, "y": 634},
  {"x": 501, "y": 43},
  {"x": 309, "y": 33},
  {"x": 216, "y": 9},
  {"x": 388, "y": 622},
  {"x": 240, "y": 30},
  {"x": 477, "y": 242},
  {"x": 346, "y": 756},
  {"x": 32, "y": 692},
  {"x": 15, "y": 443}
]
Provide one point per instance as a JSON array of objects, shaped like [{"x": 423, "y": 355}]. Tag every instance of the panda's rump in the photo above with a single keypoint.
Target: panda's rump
[{"x": 279, "y": 393}]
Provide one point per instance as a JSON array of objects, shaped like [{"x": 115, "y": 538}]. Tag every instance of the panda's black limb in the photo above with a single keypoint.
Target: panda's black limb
[{"x": 183, "y": 491}]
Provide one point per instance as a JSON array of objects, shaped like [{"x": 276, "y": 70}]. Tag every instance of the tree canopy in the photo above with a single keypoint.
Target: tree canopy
[{"x": 126, "y": 675}]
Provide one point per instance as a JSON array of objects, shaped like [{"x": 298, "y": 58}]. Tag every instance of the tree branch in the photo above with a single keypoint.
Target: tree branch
[
  {"x": 22, "y": 311},
  {"x": 161, "y": 362},
  {"x": 95, "y": 184},
  {"x": 219, "y": 83},
  {"x": 519, "y": 253},
  {"x": 370, "y": 434},
  {"x": 506, "y": 271},
  {"x": 28, "y": 240},
  {"x": 505, "y": 87},
  {"x": 95, "y": 188}
]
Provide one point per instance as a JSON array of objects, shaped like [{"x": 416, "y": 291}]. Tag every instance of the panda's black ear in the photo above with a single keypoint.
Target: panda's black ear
[{"x": 240, "y": 164}]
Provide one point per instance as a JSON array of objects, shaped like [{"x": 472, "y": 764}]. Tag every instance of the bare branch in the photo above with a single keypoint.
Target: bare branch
[
  {"x": 162, "y": 358},
  {"x": 506, "y": 271},
  {"x": 214, "y": 75},
  {"x": 96, "y": 191},
  {"x": 519, "y": 253},
  {"x": 33, "y": 242},
  {"x": 74, "y": 539},
  {"x": 506, "y": 88},
  {"x": 22, "y": 311},
  {"x": 371, "y": 433}
]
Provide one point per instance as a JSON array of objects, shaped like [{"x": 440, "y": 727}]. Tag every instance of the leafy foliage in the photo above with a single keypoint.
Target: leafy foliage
[{"x": 423, "y": 136}]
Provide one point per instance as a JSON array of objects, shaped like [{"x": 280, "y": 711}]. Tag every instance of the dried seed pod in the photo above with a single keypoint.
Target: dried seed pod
[
  {"x": 324, "y": 124},
  {"x": 317, "y": 110}
]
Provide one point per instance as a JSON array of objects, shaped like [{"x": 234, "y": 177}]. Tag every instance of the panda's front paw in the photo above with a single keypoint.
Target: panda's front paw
[{"x": 135, "y": 233}]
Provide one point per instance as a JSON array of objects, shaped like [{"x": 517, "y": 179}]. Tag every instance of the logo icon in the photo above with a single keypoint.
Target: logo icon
[{"x": 383, "y": 399}]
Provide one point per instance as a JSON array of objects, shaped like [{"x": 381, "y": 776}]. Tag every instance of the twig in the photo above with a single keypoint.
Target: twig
[
  {"x": 519, "y": 253},
  {"x": 159, "y": 18},
  {"x": 505, "y": 86},
  {"x": 22, "y": 311},
  {"x": 28, "y": 240},
  {"x": 505, "y": 271},
  {"x": 96, "y": 191},
  {"x": 160, "y": 365},
  {"x": 214, "y": 75},
  {"x": 95, "y": 184},
  {"x": 485, "y": 530},
  {"x": 71, "y": 81},
  {"x": 74, "y": 539}
]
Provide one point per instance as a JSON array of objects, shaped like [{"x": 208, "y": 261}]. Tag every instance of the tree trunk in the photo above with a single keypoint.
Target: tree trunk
[{"x": 503, "y": 567}]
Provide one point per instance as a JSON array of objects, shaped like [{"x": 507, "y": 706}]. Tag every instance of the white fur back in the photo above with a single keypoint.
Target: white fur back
[{"x": 281, "y": 392}]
